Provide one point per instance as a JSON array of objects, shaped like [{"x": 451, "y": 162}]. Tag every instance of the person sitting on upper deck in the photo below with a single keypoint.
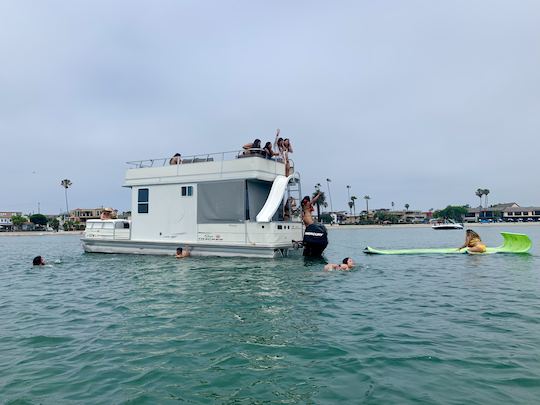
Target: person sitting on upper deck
[
  {"x": 307, "y": 208},
  {"x": 268, "y": 152},
  {"x": 253, "y": 148},
  {"x": 176, "y": 159}
]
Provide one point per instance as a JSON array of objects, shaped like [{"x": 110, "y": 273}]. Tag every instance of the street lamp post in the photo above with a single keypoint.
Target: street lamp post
[
  {"x": 318, "y": 190},
  {"x": 349, "y": 197},
  {"x": 329, "y": 194}
]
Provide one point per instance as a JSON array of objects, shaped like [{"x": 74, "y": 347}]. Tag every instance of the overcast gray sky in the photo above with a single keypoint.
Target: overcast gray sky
[{"x": 418, "y": 102}]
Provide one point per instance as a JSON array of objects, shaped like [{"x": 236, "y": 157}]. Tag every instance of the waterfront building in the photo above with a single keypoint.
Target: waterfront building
[
  {"x": 5, "y": 220},
  {"x": 508, "y": 212}
]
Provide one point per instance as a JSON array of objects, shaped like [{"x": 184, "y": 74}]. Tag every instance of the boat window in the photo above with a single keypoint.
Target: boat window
[
  {"x": 221, "y": 202},
  {"x": 108, "y": 225},
  {"x": 143, "y": 199},
  {"x": 121, "y": 225},
  {"x": 187, "y": 191},
  {"x": 96, "y": 225}
]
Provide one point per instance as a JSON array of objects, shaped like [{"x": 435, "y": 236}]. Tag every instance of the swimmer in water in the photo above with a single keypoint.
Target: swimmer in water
[
  {"x": 182, "y": 252},
  {"x": 38, "y": 261},
  {"x": 345, "y": 265},
  {"x": 473, "y": 242}
]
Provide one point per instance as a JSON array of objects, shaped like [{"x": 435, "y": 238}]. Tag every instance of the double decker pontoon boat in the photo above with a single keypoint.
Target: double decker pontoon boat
[{"x": 221, "y": 204}]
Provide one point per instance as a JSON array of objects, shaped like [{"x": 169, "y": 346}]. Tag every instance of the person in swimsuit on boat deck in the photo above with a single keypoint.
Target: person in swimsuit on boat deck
[
  {"x": 284, "y": 147},
  {"x": 307, "y": 208},
  {"x": 252, "y": 148},
  {"x": 345, "y": 265},
  {"x": 473, "y": 242},
  {"x": 268, "y": 151},
  {"x": 176, "y": 159}
]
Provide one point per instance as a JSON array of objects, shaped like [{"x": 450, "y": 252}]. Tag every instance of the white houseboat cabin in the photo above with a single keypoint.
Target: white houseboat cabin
[{"x": 223, "y": 204}]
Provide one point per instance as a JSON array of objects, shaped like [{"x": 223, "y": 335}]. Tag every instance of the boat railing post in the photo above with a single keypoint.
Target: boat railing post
[{"x": 221, "y": 165}]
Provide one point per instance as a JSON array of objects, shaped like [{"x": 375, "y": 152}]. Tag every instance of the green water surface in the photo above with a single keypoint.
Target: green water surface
[{"x": 93, "y": 328}]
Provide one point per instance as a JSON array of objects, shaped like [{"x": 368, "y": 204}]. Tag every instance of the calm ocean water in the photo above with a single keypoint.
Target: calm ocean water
[{"x": 94, "y": 328}]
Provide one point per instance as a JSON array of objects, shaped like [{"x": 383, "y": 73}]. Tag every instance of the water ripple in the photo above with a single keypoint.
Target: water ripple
[{"x": 139, "y": 329}]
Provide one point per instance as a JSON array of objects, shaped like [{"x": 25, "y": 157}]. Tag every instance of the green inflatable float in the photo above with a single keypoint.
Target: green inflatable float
[{"x": 513, "y": 243}]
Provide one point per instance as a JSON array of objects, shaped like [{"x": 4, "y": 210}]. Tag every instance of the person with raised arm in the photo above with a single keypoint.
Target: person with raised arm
[{"x": 307, "y": 208}]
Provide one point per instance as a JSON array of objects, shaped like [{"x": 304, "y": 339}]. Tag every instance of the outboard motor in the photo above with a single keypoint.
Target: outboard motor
[{"x": 315, "y": 240}]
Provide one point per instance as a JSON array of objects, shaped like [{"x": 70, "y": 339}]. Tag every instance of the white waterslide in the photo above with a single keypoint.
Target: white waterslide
[{"x": 274, "y": 199}]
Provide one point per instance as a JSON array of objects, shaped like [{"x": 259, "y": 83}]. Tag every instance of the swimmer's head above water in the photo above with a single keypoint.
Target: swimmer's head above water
[
  {"x": 348, "y": 262},
  {"x": 38, "y": 261},
  {"x": 345, "y": 265}
]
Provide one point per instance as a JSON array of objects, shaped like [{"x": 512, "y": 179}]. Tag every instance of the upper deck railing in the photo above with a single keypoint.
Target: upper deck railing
[{"x": 209, "y": 157}]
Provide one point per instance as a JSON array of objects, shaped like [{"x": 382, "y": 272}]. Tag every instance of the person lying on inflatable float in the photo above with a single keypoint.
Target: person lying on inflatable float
[{"x": 473, "y": 242}]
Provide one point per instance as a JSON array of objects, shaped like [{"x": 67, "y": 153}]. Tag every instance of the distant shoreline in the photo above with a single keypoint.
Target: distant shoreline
[
  {"x": 465, "y": 225},
  {"x": 41, "y": 233},
  {"x": 330, "y": 227}
]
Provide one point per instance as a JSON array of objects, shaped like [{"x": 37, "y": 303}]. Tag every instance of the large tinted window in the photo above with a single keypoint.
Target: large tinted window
[{"x": 221, "y": 202}]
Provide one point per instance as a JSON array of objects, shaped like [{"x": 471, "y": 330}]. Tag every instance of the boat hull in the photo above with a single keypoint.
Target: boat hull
[
  {"x": 446, "y": 227},
  {"x": 198, "y": 249}
]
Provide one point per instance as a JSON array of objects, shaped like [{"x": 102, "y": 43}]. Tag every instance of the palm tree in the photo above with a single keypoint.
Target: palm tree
[
  {"x": 392, "y": 203},
  {"x": 479, "y": 193},
  {"x": 485, "y": 192},
  {"x": 350, "y": 203},
  {"x": 66, "y": 183},
  {"x": 353, "y": 199},
  {"x": 367, "y": 198},
  {"x": 407, "y": 207}
]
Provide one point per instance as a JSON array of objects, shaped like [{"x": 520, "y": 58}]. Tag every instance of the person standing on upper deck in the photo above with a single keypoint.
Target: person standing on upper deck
[{"x": 284, "y": 147}]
